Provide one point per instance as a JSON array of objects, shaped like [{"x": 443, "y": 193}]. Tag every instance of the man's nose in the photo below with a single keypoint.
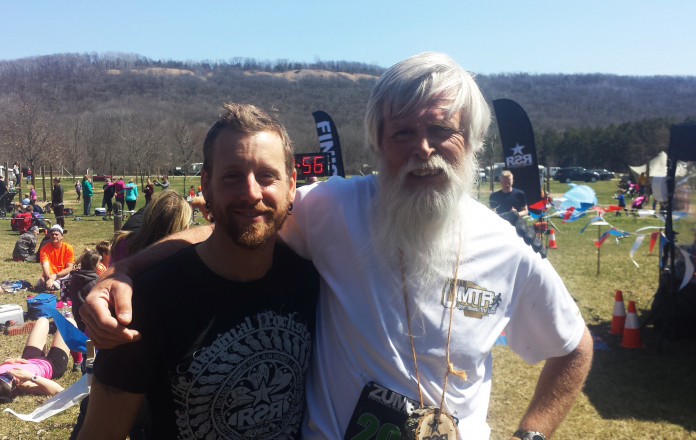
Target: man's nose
[
  {"x": 252, "y": 189},
  {"x": 425, "y": 149}
]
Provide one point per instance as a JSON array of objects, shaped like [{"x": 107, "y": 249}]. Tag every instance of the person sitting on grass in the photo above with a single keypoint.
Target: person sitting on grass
[
  {"x": 33, "y": 373},
  {"x": 80, "y": 282},
  {"x": 166, "y": 214},
  {"x": 104, "y": 250},
  {"x": 57, "y": 259},
  {"x": 22, "y": 221},
  {"x": 25, "y": 247}
]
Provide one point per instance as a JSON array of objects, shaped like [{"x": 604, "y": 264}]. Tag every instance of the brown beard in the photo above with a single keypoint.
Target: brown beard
[{"x": 250, "y": 236}]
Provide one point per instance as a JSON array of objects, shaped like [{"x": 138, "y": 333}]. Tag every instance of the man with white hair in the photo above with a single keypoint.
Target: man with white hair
[{"x": 418, "y": 279}]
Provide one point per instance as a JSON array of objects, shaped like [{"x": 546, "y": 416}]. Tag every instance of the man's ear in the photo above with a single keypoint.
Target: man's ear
[
  {"x": 293, "y": 187},
  {"x": 205, "y": 182}
]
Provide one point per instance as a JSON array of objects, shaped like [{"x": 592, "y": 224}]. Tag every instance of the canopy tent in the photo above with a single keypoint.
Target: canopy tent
[{"x": 657, "y": 167}]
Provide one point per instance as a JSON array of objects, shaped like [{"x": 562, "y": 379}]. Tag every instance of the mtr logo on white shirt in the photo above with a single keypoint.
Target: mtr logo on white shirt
[{"x": 474, "y": 300}]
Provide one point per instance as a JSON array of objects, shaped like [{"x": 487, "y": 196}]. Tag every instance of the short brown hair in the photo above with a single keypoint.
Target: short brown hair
[
  {"x": 250, "y": 120},
  {"x": 89, "y": 260},
  {"x": 104, "y": 248}
]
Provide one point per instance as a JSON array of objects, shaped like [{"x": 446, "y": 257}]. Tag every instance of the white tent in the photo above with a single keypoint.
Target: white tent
[
  {"x": 657, "y": 170},
  {"x": 657, "y": 167}
]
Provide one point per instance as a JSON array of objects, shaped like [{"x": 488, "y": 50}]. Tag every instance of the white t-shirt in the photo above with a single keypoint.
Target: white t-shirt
[{"x": 362, "y": 332}]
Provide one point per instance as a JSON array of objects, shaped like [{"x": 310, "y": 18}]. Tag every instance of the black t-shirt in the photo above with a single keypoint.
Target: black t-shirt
[
  {"x": 503, "y": 202},
  {"x": 109, "y": 190},
  {"x": 57, "y": 195},
  {"x": 219, "y": 358}
]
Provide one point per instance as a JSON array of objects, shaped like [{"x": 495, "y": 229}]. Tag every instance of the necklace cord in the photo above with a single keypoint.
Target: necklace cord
[
  {"x": 408, "y": 321},
  {"x": 450, "y": 368}
]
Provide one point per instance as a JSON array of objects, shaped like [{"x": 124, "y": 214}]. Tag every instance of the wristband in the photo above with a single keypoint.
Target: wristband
[
  {"x": 529, "y": 435},
  {"x": 34, "y": 377}
]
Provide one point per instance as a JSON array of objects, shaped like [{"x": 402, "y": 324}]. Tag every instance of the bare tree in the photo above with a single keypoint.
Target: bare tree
[
  {"x": 142, "y": 139},
  {"x": 74, "y": 150},
  {"x": 187, "y": 139},
  {"x": 103, "y": 142},
  {"x": 32, "y": 135}
]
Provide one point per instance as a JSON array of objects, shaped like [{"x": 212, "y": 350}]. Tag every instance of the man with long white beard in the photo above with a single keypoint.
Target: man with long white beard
[{"x": 418, "y": 279}]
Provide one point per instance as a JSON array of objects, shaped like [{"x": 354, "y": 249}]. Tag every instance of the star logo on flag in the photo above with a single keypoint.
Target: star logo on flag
[{"x": 517, "y": 149}]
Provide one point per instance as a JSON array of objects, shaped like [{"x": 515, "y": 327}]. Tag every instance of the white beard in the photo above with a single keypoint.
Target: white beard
[{"x": 423, "y": 224}]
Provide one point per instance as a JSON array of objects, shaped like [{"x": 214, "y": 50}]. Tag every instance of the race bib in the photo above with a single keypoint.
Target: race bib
[{"x": 380, "y": 414}]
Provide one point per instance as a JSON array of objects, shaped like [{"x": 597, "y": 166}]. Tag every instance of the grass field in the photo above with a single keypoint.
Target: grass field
[{"x": 647, "y": 393}]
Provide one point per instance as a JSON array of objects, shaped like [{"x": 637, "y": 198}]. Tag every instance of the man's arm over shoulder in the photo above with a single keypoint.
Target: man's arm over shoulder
[
  {"x": 110, "y": 413},
  {"x": 319, "y": 208},
  {"x": 559, "y": 383},
  {"x": 114, "y": 289}
]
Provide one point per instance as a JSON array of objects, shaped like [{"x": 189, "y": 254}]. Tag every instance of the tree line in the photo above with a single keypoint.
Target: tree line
[{"x": 126, "y": 114}]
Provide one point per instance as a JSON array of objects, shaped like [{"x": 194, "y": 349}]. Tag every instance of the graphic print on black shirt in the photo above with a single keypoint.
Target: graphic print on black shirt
[
  {"x": 250, "y": 381},
  {"x": 219, "y": 358}
]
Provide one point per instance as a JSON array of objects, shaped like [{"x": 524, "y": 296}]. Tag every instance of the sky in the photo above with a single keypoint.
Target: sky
[{"x": 623, "y": 37}]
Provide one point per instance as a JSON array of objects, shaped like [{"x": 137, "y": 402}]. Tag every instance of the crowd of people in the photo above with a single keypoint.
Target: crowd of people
[
  {"x": 314, "y": 312},
  {"x": 118, "y": 190}
]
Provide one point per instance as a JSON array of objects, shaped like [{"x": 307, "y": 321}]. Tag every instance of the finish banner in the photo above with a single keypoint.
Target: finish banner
[
  {"x": 519, "y": 150},
  {"x": 329, "y": 142}
]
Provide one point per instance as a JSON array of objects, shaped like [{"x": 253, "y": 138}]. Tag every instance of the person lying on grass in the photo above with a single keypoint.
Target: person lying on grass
[{"x": 33, "y": 373}]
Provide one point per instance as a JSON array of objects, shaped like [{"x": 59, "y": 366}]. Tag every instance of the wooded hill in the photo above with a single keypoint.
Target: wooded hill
[{"x": 123, "y": 113}]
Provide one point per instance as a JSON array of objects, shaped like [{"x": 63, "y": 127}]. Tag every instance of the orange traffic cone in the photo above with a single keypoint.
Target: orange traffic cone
[
  {"x": 631, "y": 334},
  {"x": 552, "y": 240},
  {"x": 618, "y": 317}
]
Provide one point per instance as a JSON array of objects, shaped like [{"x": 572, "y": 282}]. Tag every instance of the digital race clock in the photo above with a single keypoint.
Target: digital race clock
[{"x": 312, "y": 164}]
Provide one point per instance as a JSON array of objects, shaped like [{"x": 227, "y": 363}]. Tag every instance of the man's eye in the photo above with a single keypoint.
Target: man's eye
[
  {"x": 403, "y": 134},
  {"x": 441, "y": 132}
]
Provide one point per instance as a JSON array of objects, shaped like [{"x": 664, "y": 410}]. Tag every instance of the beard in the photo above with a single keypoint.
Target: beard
[
  {"x": 422, "y": 223},
  {"x": 253, "y": 235}
]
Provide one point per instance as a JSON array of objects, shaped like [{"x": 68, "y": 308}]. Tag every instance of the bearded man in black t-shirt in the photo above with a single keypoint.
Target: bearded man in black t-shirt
[{"x": 227, "y": 324}]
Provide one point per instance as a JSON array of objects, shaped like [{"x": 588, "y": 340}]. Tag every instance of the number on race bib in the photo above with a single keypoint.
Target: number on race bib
[{"x": 368, "y": 421}]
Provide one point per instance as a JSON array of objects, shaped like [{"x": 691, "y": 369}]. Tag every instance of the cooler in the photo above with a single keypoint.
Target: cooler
[
  {"x": 11, "y": 312},
  {"x": 100, "y": 212}
]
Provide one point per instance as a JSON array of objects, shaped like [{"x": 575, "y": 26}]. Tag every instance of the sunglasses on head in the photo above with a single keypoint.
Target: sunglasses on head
[{"x": 8, "y": 378}]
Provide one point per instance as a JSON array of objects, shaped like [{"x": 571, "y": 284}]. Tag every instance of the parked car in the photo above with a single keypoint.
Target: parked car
[
  {"x": 100, "y": 177},
  {"x": 576, "y": 173},
  {"x": 604, "y": 174}
]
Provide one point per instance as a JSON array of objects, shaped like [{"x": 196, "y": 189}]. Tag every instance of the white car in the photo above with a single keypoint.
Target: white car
[{"x": 483, "y": 175}]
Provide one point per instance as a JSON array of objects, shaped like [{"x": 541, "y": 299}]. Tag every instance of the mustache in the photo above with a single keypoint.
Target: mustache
[{"x": 432, "y": 163}]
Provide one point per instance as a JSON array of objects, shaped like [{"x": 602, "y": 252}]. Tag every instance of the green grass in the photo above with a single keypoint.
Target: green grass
[{"x": 647, "y": 393}]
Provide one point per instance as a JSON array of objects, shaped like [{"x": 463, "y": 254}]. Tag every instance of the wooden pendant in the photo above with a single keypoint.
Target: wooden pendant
[{"x": 430, "y": 423}]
